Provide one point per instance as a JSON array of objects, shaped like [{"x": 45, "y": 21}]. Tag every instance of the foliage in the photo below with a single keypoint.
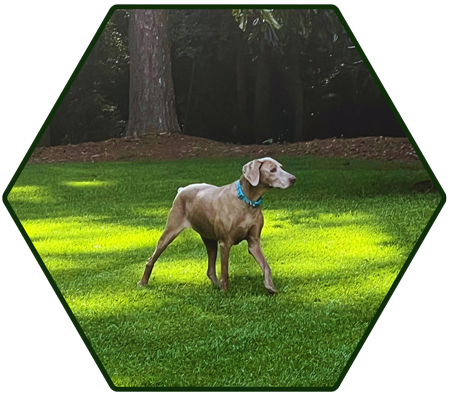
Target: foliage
[
  {"x": 319, "y": 38},
  {"x": 335, "y": 241},
  {"x": 263, "y": 22},
  {"x": 203, "y": 51},
  {"x": 94, "y": 107},
  {"x": 205, "y": 44},
  {"x": 195, "y": 33}
]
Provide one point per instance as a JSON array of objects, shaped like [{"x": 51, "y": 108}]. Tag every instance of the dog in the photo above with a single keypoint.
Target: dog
[{"x": 225, "y": 216}]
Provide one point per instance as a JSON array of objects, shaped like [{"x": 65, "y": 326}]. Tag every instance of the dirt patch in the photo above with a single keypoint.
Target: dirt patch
[{"x": 157, "y": 146}]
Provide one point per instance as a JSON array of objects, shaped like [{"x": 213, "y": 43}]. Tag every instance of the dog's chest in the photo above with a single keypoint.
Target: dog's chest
[{"x": 236, "y": 229}]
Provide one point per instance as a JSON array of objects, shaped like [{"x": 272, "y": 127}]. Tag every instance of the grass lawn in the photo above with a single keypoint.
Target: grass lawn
[{"x": 335, "y": 241}]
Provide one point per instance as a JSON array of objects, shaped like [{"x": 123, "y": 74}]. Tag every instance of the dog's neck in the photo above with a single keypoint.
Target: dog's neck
[{"x": 253, "y": 193}]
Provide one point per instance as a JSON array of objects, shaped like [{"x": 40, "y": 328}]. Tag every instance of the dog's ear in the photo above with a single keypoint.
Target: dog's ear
[{"x": 251, "y": 171}]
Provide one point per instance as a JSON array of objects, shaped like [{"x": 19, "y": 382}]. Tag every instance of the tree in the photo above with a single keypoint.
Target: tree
[
  {"x": 287, "y": 39},
  {"x": 203, "y": 50},
  {"x": 264, "y": 36},
  {"x": 244, "y": 128},
  {"x": 45, "y": 140},
  {"x": 96, "y": 106},
  {"x": 152, "y": 98}
]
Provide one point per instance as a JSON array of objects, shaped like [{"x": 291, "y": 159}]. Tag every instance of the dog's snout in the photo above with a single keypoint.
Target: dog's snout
[{"x": 292, "y": 179}]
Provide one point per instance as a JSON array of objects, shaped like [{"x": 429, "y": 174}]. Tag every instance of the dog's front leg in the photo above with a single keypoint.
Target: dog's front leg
[
  {"x": 254, "y": 248},
  {"x": 224, "y": 255}
]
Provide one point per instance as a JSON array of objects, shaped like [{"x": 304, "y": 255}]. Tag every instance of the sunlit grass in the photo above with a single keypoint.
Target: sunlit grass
[
  {"x": 335, "y": 241},
  {"x": 87, "y": 183}
]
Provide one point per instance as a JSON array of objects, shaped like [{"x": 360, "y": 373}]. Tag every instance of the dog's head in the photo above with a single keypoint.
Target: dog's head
[{"x": 267, "y": 172}]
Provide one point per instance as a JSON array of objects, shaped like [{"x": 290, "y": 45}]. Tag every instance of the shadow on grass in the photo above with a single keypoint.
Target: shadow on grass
[
  {"x": 80, "y": 274},
  {"x": 138, "y": 186},
  {"x": 198, "y": 336},
  {"x": 180, "y": 331}
]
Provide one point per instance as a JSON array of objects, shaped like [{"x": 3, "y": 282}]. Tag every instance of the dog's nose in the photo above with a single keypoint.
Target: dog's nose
[{"x": 292, "y": 179}]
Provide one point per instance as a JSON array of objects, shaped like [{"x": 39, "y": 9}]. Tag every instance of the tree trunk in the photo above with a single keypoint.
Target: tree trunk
[
  {"x": 299, "y": 134},
  {"x": 262, "y": 96},
  {"x": 45, "y": 139},
  {"x": 189, "y": 98},
  {"x": 243, "y": 122},
  {"x": 152, "y": 97},
  {"x": 297, "y": 93}
]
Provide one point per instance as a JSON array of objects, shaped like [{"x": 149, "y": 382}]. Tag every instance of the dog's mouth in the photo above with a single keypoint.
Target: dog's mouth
[
  {"x": 289, "y": 183},
  {"x": 285, "y": 183}
]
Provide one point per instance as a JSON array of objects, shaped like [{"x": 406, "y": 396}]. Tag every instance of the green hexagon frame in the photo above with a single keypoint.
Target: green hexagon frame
[{"x": 66, "y": 305}]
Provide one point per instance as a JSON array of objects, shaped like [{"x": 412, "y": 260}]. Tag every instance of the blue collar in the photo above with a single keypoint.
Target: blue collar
[{"x": 241, "y": 196}]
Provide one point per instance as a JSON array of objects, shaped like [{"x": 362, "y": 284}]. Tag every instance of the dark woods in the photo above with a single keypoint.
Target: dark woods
[{"x": 247, "y": 76}]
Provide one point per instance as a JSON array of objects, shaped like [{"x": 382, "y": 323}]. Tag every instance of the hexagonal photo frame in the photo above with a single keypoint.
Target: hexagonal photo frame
[{"x": 63, "y": 298}]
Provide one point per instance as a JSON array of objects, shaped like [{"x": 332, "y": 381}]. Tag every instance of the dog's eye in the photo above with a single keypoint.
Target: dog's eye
[{"x": 273, "y": 169}]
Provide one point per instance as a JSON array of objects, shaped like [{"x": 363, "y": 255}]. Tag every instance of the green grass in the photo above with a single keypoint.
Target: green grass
[{"x": 335, "y": 241}]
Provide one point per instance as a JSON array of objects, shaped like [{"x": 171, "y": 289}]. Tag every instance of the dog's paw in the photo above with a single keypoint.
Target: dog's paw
[{"x": 271, "y": 290}]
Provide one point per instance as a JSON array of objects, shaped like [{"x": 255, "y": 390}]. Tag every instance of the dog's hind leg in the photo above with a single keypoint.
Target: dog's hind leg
[
  {"x": 175, "y": 225},
  {"x": 211, "y": 248}
]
